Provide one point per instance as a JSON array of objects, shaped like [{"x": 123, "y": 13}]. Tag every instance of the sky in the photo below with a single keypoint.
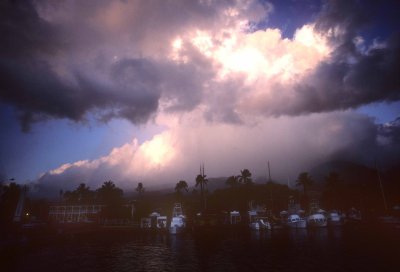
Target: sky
[{"x": 146, "y": 91}]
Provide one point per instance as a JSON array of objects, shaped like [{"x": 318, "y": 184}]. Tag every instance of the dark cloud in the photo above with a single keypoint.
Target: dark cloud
[
  {"x": 30, "y": 83},
  {"x": 389, "y": 143},
  {"x": 351, "y": 76},
  {"x": 65, "y": 60},
  {"x": 343, "y": 19},
  {"x": 39, "y": 93},
  {"x": 24, "y": 34},
  {"x": 58, "y": 60},
  {"x": 372, "y": 77}
]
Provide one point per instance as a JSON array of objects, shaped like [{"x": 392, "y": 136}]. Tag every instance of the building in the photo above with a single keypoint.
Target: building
[{"x": 74, "y": 213}]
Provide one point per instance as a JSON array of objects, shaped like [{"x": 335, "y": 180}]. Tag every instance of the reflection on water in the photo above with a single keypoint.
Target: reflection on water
[{"x": 323, "y": 249}]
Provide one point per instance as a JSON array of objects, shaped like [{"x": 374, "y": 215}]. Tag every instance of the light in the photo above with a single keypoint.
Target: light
[
  {"x": 27, "y": 214},
  {"x": 177, "y": 44},
  {"x": 158, "y": 151}
]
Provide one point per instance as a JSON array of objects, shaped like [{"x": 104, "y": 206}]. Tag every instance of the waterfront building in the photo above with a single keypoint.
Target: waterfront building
[{"x": 74, "y": 213}]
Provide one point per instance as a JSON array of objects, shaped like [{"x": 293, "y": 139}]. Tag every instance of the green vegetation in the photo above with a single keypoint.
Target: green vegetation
[
  {"x": 201, "y": 181},
  {"x": 304, "y": 180},
  {"x": 232, "y": 181},
  {"x": 140, "y": 189},
  {"x": 181, "y": 187},
  {"x": 245, "y": 177},
  {"x": 81, "y": 195},
  {"x": 232, "y": 193}
]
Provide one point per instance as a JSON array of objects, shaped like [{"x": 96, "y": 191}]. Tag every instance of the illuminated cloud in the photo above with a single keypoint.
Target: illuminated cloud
[
  {"x": 290, "y": 144},
  {"x": 229, "y": 93}
]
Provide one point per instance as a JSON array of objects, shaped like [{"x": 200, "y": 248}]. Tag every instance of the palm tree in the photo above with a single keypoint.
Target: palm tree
[
  {"x": 83, "y": 193},
  {"x": 245, "y": 177},
  {"x": 180, "y": 186},
  {"x": 305, "y": 180},
  {"x": 109, "y": 194},
  {"x": 68, "y": 197},
  {"x": 232, "y": 181},
  {"x": 140, "y": 189},
  {"x": 202, "y": 181}
]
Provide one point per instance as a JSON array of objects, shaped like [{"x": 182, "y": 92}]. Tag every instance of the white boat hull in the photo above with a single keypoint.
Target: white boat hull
[
  {"x": 265, "y": 225},
  {"x": 178, "y": 223},
  {"x": 176, "y": 230},
  {"x": 297, "y": 225},
  {"x": 260, "y": 225},
  {"x": 334, "y": 219},
  {"x": 254, "y": 226},
  {"x": 294, "y": 221},
  {"x": 334, "y": 223},
  {"x": 317, "y": 221}
]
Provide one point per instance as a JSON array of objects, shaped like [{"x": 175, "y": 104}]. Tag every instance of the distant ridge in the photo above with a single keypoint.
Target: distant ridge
[{"x": 349, "y": 172}]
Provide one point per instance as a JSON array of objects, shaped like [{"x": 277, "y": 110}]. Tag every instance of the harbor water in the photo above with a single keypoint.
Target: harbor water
[{"x": 325, "y": 249}]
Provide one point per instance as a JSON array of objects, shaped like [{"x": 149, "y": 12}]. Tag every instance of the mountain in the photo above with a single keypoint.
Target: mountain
[
  {"x": 215, "y": 183},
  {"x": 349, "y": 172}
]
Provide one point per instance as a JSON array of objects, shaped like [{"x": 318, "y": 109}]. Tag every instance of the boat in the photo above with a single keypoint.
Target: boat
[
  {"x": 389, "y": 221},
  {"x": 317, "y": 220},
  {"x": 145, "y": 223},
  {"x": 178, "y": 221},
  {"x": 154, "y": 221},
  {"x": 334, "y": 218},
  {"x": 353, "y": 216},
  {"x": 253, "y": 222},
  {"x": 162, "y": 222},
  {"x": 264, "y": 223},
  {"x": 294, "y": 221},
  {"x": 275, "y": 222},
  {"x": 235, "y": 218},
  {"x": 258, "y": 219},
  {"x": 294, "y": 217},
  {"x": 259, "y": 222},
  {"x": 317, "y": 217}
]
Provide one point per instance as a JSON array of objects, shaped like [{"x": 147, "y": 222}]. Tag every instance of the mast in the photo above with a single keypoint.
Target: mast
[
  {"x": 21, "y": 204},
  {"x": 381, "y": 187},
  {"x": 202, "y": 185},
  {"x": 269, "y": 173}
]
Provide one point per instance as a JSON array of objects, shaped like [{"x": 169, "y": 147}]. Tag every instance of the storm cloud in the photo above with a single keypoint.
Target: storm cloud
[
  {"x": 63, "y": 60},
  {"x": 225, "y": 91},
  {"x": 114, "y": 59}
]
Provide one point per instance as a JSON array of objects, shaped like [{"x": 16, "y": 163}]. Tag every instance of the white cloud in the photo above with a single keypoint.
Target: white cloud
[
  {"x": 290, "y": 144},
  {"x": 215, "y": 82}
]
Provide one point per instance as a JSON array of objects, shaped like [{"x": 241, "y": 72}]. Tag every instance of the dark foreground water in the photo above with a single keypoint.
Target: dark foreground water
[{"x": 339, "y": 249}]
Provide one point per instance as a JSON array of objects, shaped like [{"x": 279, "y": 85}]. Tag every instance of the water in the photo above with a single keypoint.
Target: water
[{"x": 338, "y": 249}]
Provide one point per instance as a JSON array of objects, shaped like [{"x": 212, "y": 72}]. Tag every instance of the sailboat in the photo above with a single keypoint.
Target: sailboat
[{"x": 386, "y": 220}]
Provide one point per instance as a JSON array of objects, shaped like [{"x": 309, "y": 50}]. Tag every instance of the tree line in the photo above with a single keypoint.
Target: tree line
[{"x": 239, "y": 190}]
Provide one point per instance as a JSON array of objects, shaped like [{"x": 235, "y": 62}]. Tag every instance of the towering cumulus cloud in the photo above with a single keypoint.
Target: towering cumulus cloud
[{"x": 227, "y": 91}]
